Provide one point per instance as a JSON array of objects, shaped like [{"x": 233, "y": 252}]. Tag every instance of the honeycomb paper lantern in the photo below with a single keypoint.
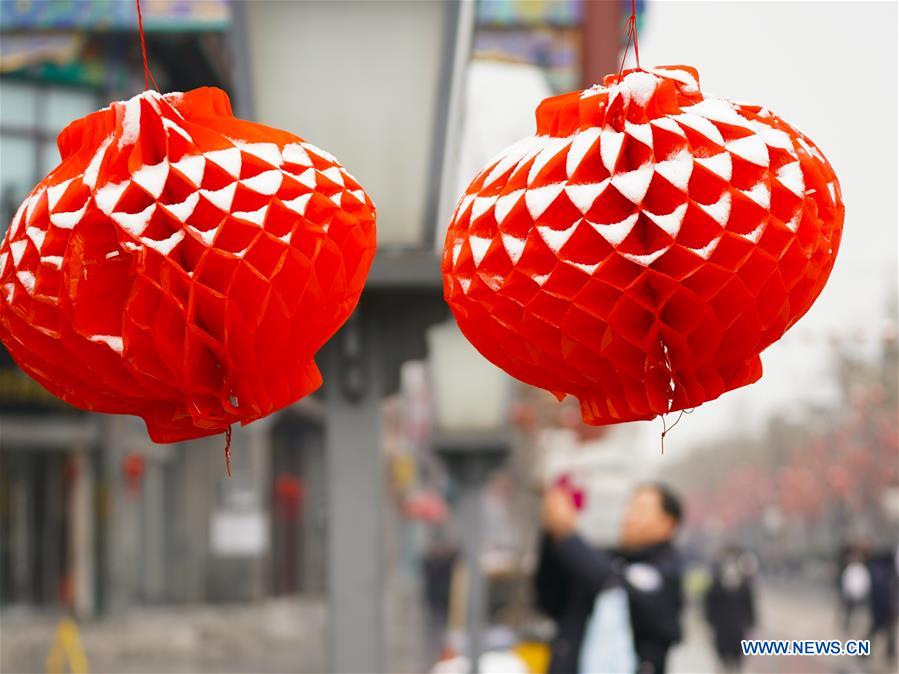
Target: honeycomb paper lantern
[
  {"x": 644, "y": 247},
  {"x": 182, "y": 265}
]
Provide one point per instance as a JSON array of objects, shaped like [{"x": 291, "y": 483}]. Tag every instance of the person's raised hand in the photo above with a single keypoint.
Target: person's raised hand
[{"x": 559, "y": 513}]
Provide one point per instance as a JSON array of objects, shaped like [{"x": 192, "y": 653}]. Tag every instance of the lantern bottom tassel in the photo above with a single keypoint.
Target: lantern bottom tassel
[{"x": 228, "y": 450}]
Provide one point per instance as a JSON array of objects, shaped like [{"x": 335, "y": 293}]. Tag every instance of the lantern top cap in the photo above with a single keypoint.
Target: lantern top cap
[{"x": 638, "y": 94}]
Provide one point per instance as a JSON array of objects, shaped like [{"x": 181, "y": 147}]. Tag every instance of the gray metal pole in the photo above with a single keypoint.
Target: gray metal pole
[
  {"x": 354, "y": 475},
  {"x": 471, "y": 514}
]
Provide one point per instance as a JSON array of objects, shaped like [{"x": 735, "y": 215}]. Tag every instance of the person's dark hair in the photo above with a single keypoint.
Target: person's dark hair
[{"x": 671, "y": 503}]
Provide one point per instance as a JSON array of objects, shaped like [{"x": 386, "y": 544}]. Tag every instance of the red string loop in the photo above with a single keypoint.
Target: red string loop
[{"x": 631, "y": 35}]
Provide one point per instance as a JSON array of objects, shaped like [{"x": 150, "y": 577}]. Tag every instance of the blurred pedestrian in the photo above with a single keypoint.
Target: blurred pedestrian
[
  {"x": 855, "y": 586},
  {"x": 884, "y": 597},
  {"x": 439, "y": 561},
  {"x": 612, "y": 606},
  {"x": 730, "y": 606}
]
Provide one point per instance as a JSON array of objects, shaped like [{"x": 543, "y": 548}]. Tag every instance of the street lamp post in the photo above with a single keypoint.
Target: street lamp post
[{"x": 471, "y": 436}]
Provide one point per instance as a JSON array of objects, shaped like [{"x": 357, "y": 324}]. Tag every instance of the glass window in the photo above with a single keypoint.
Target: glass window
[
  {"x": 61, "y": 106},
  {"x": 17, "y": 165},
  {"x": 18, "y": 104}
]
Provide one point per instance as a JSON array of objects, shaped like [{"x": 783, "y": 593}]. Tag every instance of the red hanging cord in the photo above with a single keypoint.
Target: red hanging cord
[
  {"x": 631, "y": 34},
  {"x": 148, "y": 76}
]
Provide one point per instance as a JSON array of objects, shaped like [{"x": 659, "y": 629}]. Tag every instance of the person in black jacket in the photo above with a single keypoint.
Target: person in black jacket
[
  {"x": 571, "y": 573},
  {"x": 730, "y": 606}
]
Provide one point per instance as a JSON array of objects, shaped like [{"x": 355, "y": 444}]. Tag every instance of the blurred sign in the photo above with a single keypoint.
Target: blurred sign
[
  {"x": 239, "y": 533},
  {"x": 20, "y": 393},
  {"x": 158, "y": 15}
]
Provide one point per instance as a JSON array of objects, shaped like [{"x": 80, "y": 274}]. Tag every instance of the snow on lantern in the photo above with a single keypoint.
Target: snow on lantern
[
  {"x": 644, "y": 247},
  {"x": 182, "y": 265}
]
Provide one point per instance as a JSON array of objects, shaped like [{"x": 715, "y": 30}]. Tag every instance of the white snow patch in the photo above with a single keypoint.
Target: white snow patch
[
  {"x": 751, "y": 148},
  {"x": 690, "y": 85},
  {"x": 588, "y": 268},
  {"x": 108, "y": 196},
  {"x": 633, "y": 185},
  {"x": 580, "y": 145},
  {"x": 267, "y": 152},
  {"x": 130, "y": 122},
  {"x": 480, "y": 206},
  {"x": 307, "y": 178},
  {"x": 267, "y": 182},
  {"x": 222, "y": 198},
  {"x": 719, "y": 110},
  {"x": 700, "y": 125},
  {"x": 135, "y": 223},
  {"x": 670, "y": 223},
  {"x": 677, "y": 170},
  {"x": 173, "y": 126},
  {"x": 457, "y": 248},
  {"x": 514, "y": 247},
  {"x": 756, "y": 233},
  {"x": 333, "y": 174},
  {"x": 642, "y": 132},
  {"x": 93, "y": 168},
  {"x": 720, "y": 164},
  {"x": 638, "y": 86},
  {"x": 55, "y": 192},
  {"x": 479, "y": 246},
  {"x": 610, "y": 142},
  {"x": 556, "y": 238},
  {"x": 616, "y": 232},
  {"x": 229, "y": 159},
  {"x": 668, "y": 124},
  {"x": 36, "y": 235},
  {"x": 152, "y": 178},
  {"x": 464, "y": 203},
  {"x": 708, "y": 249},
  {"x": 113, "y": 342},
  {"x": 166, "y": 245},
  {"x": 183, "y": 210},
  {"x": 540, "y": 198},
  {"x": 299, "y": 204},
  {"x": 257, "y": 217},
  {"x": 648, "y": 258},
  {"x": 790, "y": 176},
  {"x": 206, "y": 237},
  {"x": 321, "y": 153},
  {"x": 551, "y": 148},
  {"x": 760, "y": 194},
  {"x": 191, "y": 167},
  {"x": 70, "y": 219},
  {"x": 505, "y": 204},
  {"x": 295, "y": 154},
  {"x": 720, "y": 210},
  {"x": 583, "y": 196},
  {"x": 17, "y": 248},
  {"x": 26, "y": 278}
]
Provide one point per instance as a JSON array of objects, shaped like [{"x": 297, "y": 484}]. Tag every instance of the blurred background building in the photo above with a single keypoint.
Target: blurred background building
[{"x": 347, "y": 489}]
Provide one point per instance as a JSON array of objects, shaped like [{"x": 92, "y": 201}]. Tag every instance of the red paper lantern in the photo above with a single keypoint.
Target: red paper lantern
[
  {"x": 644, "y": 247},
  {"x": 183, "y": 265}
]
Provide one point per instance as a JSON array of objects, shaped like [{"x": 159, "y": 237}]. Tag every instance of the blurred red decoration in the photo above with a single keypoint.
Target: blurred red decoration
[
  {"x": 289, "y": 494},
  {"x": 183, "y": 265},
  {"x": 427, "y": 506},
  {"x": 578, "y": 495},
  {"x": 133, "y": 467},
  {"x": 644, "y": 247}
]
